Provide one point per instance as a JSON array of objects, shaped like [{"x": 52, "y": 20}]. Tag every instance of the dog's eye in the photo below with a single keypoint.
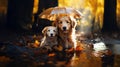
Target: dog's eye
[
  {"x": 60, "y": 22},
  {"x": 68, "y": 22}
]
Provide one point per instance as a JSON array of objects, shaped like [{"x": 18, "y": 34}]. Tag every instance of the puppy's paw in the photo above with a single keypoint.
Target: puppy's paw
[
  {"x": 48, "y": 48},
  {"x": 57, "y": 48}
]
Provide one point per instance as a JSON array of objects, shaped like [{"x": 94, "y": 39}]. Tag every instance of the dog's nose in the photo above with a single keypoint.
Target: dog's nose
[
  {"x": 64, "y": 28},
  {"x": 51, "y": 35}
]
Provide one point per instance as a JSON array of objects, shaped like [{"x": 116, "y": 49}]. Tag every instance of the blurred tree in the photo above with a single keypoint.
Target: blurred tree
[
  {"x": 44, "y": 4},
  {"x": 39, "y": 24},
  {"x": 110, "y": 24},
  {"x": 19, "y": 14}
]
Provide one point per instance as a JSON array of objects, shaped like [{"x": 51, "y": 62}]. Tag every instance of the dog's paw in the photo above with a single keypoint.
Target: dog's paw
[{"x": 69, "y": 50}]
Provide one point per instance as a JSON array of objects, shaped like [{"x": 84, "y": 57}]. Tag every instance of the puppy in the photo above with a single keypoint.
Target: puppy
[
  {"x": 66, "y": 31},
  {"x": 50, "y": 37}
]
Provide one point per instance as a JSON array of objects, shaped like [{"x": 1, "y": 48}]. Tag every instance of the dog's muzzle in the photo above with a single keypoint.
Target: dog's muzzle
[{"x": 64, "y": 28}]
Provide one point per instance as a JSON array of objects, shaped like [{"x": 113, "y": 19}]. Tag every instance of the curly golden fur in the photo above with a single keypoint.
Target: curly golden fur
[{"x": 66, "y": 31}]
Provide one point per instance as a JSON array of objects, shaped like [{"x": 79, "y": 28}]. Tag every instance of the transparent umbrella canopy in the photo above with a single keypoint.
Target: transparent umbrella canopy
[{"x": 53, "y": 12}]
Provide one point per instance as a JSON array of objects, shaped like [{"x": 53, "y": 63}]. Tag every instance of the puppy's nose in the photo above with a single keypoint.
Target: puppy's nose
[
  {"x": 64, "y": 28},
  {"x": 51, "y": 35}
]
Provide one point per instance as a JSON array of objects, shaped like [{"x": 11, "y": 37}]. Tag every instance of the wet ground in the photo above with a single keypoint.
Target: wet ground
[{"x": 81, "y": 58}]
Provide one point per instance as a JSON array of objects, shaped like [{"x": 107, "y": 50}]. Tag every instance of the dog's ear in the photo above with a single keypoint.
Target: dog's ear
[
  {"x": 44, "y": 30},
  {"x": 54, "y": 23},
  {"x": 56, "y": 30},
  {"x": 73, "y": 22}
]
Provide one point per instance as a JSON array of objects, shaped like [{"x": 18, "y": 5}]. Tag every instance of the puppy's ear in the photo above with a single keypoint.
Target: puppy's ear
[
  {"x": 44, "y": 30},
  {"x": 73, "y": 22}
]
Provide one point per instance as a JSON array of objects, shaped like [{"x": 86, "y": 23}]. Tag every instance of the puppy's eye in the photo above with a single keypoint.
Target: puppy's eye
[
  {"x": 54, "y": 30},
  {"x": 48, "y": 30}
]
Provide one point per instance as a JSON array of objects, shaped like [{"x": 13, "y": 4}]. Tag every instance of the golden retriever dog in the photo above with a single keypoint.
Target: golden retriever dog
[
  {"x": 66, "y": 31},
  {"x": 50, "y": 37}
]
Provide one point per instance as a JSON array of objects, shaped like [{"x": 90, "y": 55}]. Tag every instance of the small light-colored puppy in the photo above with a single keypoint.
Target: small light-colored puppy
[
  {"x": 50, "y": 36},
  {"x": 66, "y": 31}
]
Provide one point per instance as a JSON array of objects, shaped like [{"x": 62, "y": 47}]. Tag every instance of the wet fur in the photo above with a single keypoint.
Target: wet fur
[{"x": 67, "y": 40}]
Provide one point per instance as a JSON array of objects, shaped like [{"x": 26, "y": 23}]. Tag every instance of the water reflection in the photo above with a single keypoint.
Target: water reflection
[
  {"x": 80, "y": 58},
  {"x": 116, "y": 48},
  {"x": 86, "y": 58},
  {"x": 83, "y": 58}
]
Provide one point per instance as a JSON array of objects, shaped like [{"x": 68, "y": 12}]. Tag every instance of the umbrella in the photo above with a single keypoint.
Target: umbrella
[{"x": 53, "y": 12}]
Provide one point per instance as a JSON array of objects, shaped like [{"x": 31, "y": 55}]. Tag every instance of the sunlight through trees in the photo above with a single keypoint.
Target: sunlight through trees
[{"x": 92, "y": 10}]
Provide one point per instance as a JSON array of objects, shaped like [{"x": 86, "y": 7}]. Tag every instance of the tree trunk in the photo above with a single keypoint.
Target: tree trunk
[
  {"x": 110, "y": 24},
  {"x": 39, "y": 23},
  {"x": 19, "y": 14},
  {"x": 44, "y": 4}
]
